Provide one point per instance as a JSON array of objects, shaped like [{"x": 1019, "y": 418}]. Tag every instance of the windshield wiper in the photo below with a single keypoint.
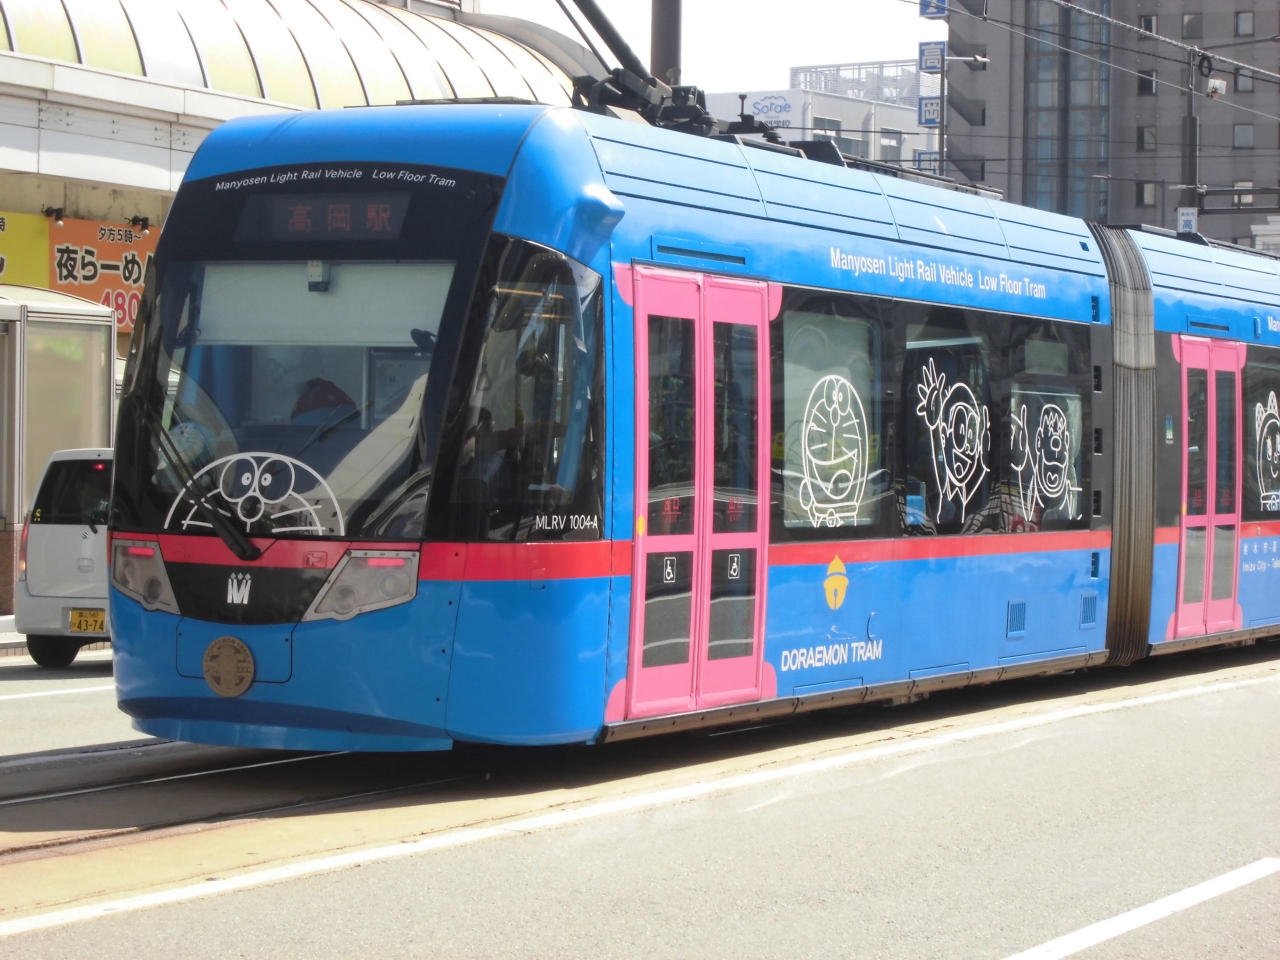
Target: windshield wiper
[{"x": 223, "y": 526}]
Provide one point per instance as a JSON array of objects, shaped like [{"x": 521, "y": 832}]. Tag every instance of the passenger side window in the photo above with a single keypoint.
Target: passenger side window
[
  {"x": 1047, "y": 473},
  {"x": 1261, "y": 496},
  {"x": 530, "y": 445},
  {"x": 947, "y": 410},
  {"x": 831, "y": 455}
]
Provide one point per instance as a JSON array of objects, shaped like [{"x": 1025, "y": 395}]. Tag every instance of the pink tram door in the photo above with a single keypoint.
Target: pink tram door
[
  {"x": 702, "y": 491},
  {"x": 1210, "y": 527}
]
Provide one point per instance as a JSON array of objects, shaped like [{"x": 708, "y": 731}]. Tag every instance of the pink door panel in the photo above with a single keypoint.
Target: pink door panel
[
  {"x": 668, "y": 308},
  {"x": 701, "y": 492},
  {"x": 738, "y": 470},
  {"x": 1210, "y": 524}
]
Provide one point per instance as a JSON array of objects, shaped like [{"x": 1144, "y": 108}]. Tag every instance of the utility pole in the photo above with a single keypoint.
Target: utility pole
[
  {"x": 942, "y": 120},
  {"x": 1190, "y": 137},
  {"x": 664, "y": 54},
  {"x": 1199, "y": 61}
]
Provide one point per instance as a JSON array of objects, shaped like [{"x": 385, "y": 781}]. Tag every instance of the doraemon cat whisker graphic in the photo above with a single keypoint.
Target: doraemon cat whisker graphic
[
  {"x": 1267, "y": 424},
  {"x": 1043, "y": 461},
  {"x": 262, "y": 489},
  {"x": 960, "y": 435}
]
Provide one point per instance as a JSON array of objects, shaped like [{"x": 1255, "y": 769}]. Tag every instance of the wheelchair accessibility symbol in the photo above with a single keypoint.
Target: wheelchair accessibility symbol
[
  {"x": 668, "y": 569},
  {"x": 735, "y": 566}
]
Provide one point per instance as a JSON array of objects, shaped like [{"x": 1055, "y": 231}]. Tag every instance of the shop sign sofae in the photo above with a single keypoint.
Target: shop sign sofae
[{"x": 106, "y": 262}]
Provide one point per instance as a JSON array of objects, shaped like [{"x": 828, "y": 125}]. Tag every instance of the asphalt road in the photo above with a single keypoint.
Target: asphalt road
[
  {"x": 1002, "y": 835},
  {"x": 72, "y": 707}
]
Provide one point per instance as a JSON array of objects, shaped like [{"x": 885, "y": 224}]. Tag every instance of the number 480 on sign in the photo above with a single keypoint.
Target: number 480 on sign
[{"x": 125, "y": 303}]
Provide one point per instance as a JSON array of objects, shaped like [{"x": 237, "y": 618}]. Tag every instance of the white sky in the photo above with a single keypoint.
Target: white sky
[{"x": 733, "y": 46}]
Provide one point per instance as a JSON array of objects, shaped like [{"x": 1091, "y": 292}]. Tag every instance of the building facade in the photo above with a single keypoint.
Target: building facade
[
  {"x": 1082, "y": 116},
  {"x": 867, "y": 109}
]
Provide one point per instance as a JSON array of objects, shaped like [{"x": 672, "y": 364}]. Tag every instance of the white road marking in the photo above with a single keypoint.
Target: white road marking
[
  {"x": 589, "y": 811},
  {"x": 1092, "y": 935},
  {"x": 56, "y": 693}
]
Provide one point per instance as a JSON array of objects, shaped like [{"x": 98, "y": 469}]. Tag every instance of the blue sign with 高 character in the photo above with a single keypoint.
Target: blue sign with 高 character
[
  {"x": 933, "y": 9},
  {"x": 927, "y": 160},
  {"x": 933, "y": 55},
  {"x": 929, "y": 112}
]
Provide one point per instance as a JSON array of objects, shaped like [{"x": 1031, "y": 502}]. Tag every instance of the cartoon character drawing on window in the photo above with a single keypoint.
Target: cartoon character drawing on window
[
  {"x": 835, "y": 453},
  {"x": 1267, "y": 424},
  {"x": 960, "y": 435},
  {"x": 275, "y": 493},
  {"x": 1043, "y": 462}
]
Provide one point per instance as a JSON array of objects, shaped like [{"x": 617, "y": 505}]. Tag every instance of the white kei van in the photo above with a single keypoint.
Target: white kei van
[{"x": 61, "y": 598}]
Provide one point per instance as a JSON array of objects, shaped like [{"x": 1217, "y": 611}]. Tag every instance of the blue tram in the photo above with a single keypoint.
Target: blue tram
[{"x": 513, "y": 424}]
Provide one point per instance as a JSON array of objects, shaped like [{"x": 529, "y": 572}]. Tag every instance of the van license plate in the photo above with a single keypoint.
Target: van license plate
[{"x": 88, "y": 621}]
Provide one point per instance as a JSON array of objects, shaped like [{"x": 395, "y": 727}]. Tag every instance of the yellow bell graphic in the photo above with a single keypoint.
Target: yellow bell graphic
[{"x": 835, "y": 584}]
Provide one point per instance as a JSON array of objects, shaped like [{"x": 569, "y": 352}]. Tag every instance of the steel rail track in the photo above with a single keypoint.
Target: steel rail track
[
  {"x": 147, "y": 781},
  {"x": 231, "y": 817}
]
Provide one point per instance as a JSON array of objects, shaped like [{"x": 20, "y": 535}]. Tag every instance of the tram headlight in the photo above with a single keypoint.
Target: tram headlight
[
  {"x": 137, "y": 570},
  {"x": 366, "y": 580}
]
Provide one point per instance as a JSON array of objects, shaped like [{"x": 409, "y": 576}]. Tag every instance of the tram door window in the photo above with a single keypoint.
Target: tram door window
[
  {"x": 701, "y": 389},
  {"x": 1211, "y": 487}
]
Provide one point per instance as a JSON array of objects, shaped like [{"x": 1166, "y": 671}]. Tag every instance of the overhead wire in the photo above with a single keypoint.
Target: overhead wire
[
  {"x": 1187, "y": 48},
  {"x": 1014, "y": 29}
]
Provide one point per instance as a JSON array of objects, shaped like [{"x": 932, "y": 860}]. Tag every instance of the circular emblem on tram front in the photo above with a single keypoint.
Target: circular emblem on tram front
[{"x": 228, "y": 667}]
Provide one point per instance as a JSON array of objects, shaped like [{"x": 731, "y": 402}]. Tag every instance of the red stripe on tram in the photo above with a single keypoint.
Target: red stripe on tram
[
  {"x": 284, "y": 554},
  {"x": 525, "y": 561},
  {"x": 539, "y": 561},
  {"x": 935, "y": 548},
  {"x": 1268, "y": 528}
]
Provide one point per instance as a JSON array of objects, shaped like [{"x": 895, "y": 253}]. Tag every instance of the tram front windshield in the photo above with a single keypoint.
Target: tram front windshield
[
  {"x": 300, "y": 404},
  {"x": 281, "y": 368}
]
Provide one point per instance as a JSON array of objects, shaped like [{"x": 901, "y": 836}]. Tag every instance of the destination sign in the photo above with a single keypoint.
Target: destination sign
[{"x": 323, "y": 216}]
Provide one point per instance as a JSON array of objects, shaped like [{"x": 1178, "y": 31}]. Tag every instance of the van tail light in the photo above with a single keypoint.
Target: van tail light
[
  {"x": 366, "y": 580},
  {"x": 137, "y": 570},
  {"x": 22, "y": 548}
]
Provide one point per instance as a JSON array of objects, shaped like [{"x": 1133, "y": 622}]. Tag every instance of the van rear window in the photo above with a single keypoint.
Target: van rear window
[{"x": 74, "y": 491}]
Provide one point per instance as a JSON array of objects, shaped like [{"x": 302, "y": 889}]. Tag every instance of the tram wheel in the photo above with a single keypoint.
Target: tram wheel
[{"x": 52, "y": 651}]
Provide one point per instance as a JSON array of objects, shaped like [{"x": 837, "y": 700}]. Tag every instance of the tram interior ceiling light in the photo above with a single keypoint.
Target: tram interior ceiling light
[
  {"x": 54, "y": 214},
  {"x": 143, "y": 224}
]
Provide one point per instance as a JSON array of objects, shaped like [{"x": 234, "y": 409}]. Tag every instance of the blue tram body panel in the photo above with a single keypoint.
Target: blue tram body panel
[
  {"x": 461, "y": 136},
  {"x": 1164, "y": 591},
  {"x": 795, "y": 221},
  {"x": 529, "y": 661},
  {"x": 882, "y": 631},
  {"x": 544, "y": 659},
  {"x": 1259, "y": 590},
  {"x": 376, "y": 684}
]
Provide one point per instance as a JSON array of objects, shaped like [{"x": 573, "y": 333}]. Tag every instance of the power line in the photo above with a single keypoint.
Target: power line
[
  {"x": 1186, "y": 48},
  {"x": 1257, "y": 72},
  {"x": 1011, "y": 28}
]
